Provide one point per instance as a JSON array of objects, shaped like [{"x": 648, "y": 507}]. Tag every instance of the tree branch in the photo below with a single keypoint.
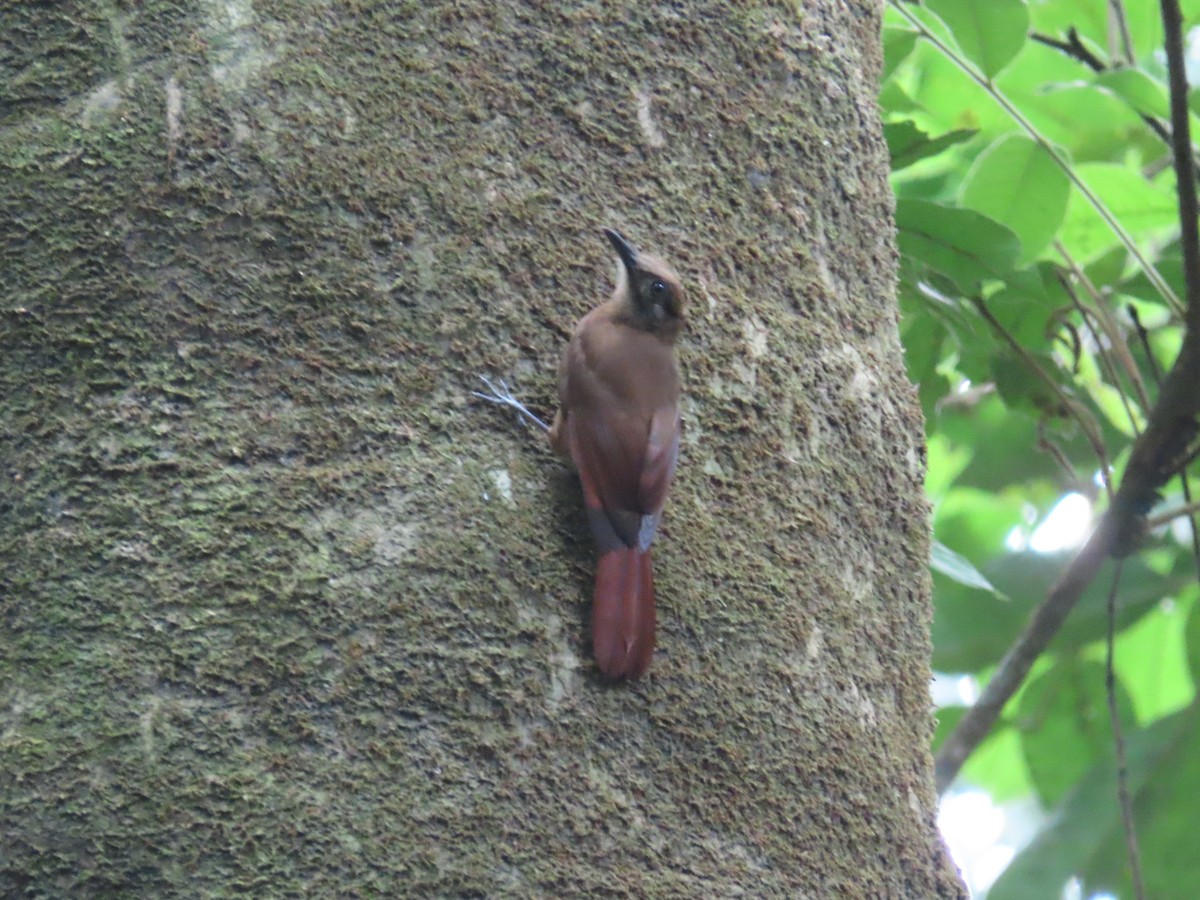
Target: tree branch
[
  {"x": 1181, "y": 146},
  {"x": 1074, "y": 48},
  {"x": 1189, "y": 509}
]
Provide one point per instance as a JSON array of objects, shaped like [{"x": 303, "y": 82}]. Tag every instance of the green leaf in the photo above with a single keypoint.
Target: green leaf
[
  {"x": 1192, "y": 639},
  {"x": 1141, "y": 590},
  {"x": 1170, "y": 267},
  {"x": 1021, "y": 386},
  {"x": 1083, "y": 825},
  {"x": 1152, "y": 660},
  {"x": 947, "y": 96},
  {"x": 979, "y": 520},
  {"x": 959, "y": 568},
  {"x": 1139, "y": 90},
  {"x": 1109, "y": 267},
  {"x": 1064, "y": 723},
  {"x": 1123, "y": 414},
  {"x": 1164, "y": 818},
  {"x": 945, "y": 463},
  {"x": 1091, "y": 20},
  {"x": 965, "y": 641},
  {"x": 908, "y": 144},
  {"x": 1145, "y": 208},
  {"x": 1089, "y": 123},
  {"x": 897, "y": 44},
  {"x": 989, "y": 32},
  {"x": 999, "y": 764},
  {"x": 946, "y": 720},
  {"x": 894, "y": 99},
  {"x": 1020, "y": 185},
  {"x": 963, "y": 245},
  {"x": 967, "y": 638},
  {"x": 1027, "y": 303},
  {"x": 933, "y": 294},
  {"x": 923, "y": 338},
  {"x": 1004, "y": 456},
  {"x": 1057, "y": 16}
]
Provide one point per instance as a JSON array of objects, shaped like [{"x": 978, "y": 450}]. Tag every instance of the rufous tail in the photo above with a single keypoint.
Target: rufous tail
[{"x": 623, "y": 617}]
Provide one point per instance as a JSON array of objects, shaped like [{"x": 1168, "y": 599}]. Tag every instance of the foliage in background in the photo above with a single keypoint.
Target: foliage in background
[{"x": 1040, "y": 289}]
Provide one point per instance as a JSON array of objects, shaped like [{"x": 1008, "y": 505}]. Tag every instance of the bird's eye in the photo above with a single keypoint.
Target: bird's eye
[{"x": 658, "y": 288}]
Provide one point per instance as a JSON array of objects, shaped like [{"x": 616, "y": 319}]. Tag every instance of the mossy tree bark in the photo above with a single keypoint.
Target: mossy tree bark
[{"x": 284, "y": 612}]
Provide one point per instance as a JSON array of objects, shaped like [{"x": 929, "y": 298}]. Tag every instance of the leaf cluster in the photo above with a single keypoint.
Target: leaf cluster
[{"x": 1041, "y": 288}]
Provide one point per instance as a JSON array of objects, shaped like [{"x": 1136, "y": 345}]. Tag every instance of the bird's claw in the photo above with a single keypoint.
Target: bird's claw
[{"x": 499, "y": 393}]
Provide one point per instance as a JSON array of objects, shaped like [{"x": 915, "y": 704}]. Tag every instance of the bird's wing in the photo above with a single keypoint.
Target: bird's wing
[
  {"x": 658, "y": 464},
  {"x": 626, "y": 466}
]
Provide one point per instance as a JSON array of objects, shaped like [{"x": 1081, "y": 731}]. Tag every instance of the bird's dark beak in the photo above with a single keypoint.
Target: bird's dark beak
[{"x": 624, "y": 249}]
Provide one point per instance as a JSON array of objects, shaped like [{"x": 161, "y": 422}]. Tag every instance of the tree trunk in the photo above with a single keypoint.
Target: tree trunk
[{"x": 286, "y": 613}]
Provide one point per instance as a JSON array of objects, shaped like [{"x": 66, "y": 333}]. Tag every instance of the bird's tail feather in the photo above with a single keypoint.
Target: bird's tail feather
[{"x": 623, "y": 617}]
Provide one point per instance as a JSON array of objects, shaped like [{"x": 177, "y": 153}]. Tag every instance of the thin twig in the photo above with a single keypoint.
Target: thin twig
[
  {"x": 1095, "y": 324},
  {"x": 1192, "y": 508},
  {"x": 1189, "y": 508},
  {"x": 1108, "y": 325},
  {"x": 1081, "y": 416},
  {"x": 1076, "y": 49},
  {"x": 1144, "y": 339},
  {"x": 1055, "y": 452},
  {"x": 1114, "y": 716},
  {"x": 1117, "y": 19}
]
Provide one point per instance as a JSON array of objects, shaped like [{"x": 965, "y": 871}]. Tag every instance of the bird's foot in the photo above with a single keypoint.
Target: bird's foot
[{"x": 498, "y": 392}]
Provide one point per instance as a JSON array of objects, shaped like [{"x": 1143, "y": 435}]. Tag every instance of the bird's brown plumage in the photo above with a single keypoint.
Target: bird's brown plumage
[{"x": 618, "y": 421}]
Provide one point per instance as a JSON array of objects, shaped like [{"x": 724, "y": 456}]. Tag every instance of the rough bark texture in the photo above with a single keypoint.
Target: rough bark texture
[{"x": 283, "y": 612}]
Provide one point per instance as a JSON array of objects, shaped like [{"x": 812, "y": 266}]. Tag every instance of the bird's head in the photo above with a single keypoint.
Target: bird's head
[{"x": 649, "y": 288}]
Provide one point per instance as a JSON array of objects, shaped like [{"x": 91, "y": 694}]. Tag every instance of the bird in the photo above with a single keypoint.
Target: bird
[{"x": 618, "y": 422}]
